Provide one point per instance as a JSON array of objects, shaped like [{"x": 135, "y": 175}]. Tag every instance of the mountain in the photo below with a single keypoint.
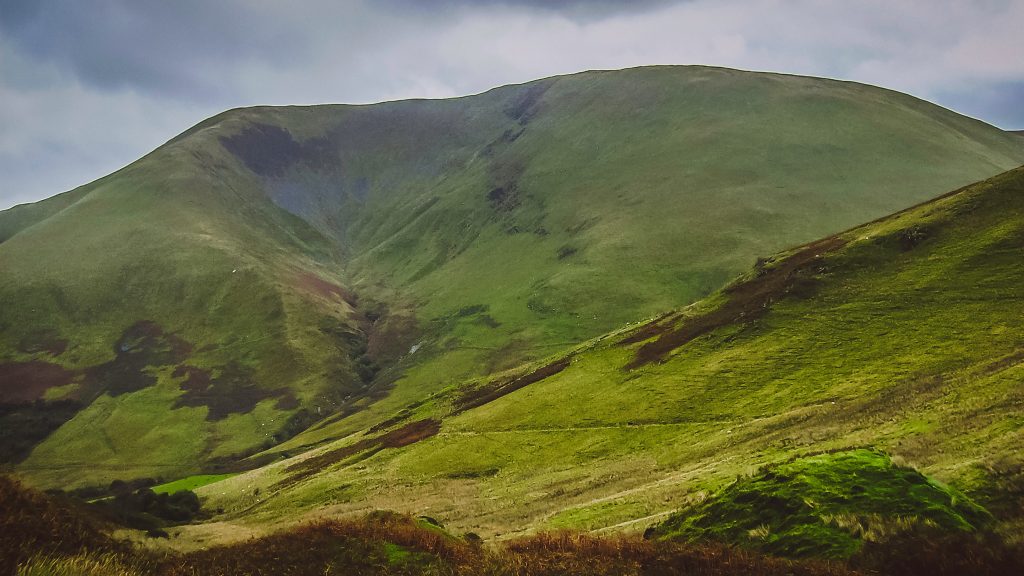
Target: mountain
[
  {"x": 899, "y": 335},
  {"x": 272, "y": 268}
]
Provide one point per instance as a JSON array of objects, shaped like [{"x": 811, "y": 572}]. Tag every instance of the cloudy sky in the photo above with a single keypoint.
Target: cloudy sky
[{"x": 87, "y": 86}]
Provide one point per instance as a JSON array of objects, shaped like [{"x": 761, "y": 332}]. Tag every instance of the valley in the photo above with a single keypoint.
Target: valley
[{"x": 615, "y": 303}]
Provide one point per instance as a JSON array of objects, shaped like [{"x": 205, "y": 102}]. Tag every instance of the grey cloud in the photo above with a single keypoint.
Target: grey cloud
[
  {"x": 182, "y": 47},
  {"x": 577, "y": 9},
  {"x": 166, "y": 47},
  {"x": 90, "y": 86}
]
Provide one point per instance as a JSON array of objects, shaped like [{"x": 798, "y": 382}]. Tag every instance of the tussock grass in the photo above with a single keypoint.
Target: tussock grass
[
  {"x": 87, "y": 565},
  {"x": 32, "y": 524}
]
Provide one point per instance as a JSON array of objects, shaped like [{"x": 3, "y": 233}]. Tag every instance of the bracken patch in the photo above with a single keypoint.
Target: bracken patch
[
  {"x": 28, "y": 381},
  {"x": 747, "y": 301},
  {"x": 404, "y": 436},
  {"x": 142, "y": 346},
  {"x": 496, "y": 389},
  {"x": 232, "y": 391},
  {"x": 318, "y": 286}
]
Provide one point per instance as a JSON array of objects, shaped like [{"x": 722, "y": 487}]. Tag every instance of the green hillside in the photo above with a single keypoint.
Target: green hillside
[
  {"x": 273, "y": 266},
  {"x": 899, "y": 335},
  {"x": 177, "y": 311}
]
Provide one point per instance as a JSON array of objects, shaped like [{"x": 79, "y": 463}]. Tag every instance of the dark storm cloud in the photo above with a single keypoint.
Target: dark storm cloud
[{"x": 89, "y": 85}]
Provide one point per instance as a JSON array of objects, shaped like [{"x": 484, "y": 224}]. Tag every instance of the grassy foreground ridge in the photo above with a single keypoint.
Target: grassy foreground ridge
[{"x": 386, "y": 543}]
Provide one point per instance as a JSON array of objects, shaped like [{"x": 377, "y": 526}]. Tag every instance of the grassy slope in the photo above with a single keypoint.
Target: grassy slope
[
  {"x": 19, "y": 217},
  {"x": 661, "y": 183},
  {"x": 180, "y": 240},
  {"x": 902, "y": 337},
  {"x": 678, "y": 175},
  {"x": 190, "y": 483}
]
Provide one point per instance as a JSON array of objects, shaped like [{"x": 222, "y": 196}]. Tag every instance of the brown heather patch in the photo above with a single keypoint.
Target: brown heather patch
[
  {"x": 43, "y": 341},
  {"x": 317, "y": 286},
  {"x": 232, "y": 391},
  {"x": 143, "y": 345},
  {"x": 404, "y": 436},
  {"x": 747, "y": 301},
  {"x": 28, "y": 381},
  {"x": 195, "y": 378},
  {"x": 496, "y": 389},
  {"x": 655, "y": 327},
  {"x": 33, "y": 523},
  {"x": 351, "y": 547},
  {"x": 558, "y": 553},
  {"x": 358, "y": 547}
]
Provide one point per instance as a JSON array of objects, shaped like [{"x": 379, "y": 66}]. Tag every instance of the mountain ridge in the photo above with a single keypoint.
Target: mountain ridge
[{"x": 353, "y": 259}]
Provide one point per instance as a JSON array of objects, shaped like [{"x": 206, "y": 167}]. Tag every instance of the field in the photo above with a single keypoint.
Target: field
[{"x": 189, "y": 483}]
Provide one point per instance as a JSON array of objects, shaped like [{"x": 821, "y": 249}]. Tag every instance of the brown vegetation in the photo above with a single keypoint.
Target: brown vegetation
[
  {"x": 496, "y": 389},
  {"x": 143, "y": 345},
  {"x": 404, "y": 436},
  {"x": 359, "y": 547},
  {"x": 560, "y": 553},
  {"x": 232, "y": 391},
  {"x": 28, "y": 381},
  {"x": 747, "y": 300},
  {"x": 33, "y": 523},
  {"x": 50, "y": 533},
  {"x": 319, "y": 287}
]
